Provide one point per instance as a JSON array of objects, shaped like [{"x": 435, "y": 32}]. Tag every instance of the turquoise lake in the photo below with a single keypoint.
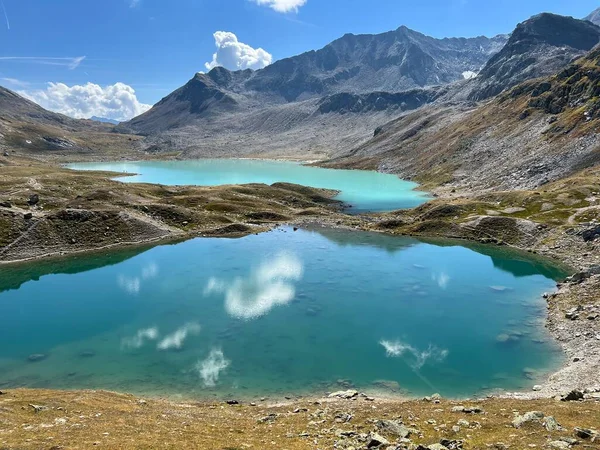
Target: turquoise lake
[
  {"x": 280, "y": 313},
  {"x": 364, "y": 190}
]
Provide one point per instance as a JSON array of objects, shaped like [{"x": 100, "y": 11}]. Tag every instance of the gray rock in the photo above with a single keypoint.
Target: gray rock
[
  {"x": 452, "y": 444},
  {"x": 6, "y": 204},
  {"x": 350, "y": 393},
  {"x": 551, "y": 424},
  {"x": 528, "y": 417},
  {"x": 375, "y": 440},
  {"x": 559, "y": 445},
  {"x": 437, "y": 447},
  {"x": 395, "y": 428}
]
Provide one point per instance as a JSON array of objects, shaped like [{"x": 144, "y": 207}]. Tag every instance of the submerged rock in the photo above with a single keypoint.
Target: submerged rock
[
  {"x": 87, "y": 354},
  {"x": 36, "y": 357}
]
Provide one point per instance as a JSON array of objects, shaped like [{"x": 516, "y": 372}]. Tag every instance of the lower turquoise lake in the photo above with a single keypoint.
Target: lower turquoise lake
[
  {"x": 363, "y": 190},
  {"x": 280, "y": 313}
]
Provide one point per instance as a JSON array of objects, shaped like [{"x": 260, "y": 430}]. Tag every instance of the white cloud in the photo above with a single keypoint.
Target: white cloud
[
  {"x": 469, "y": 74},
  {"x": 270, "y": 285},
  {"x": 235, "y": 55},
  {"x": 211, "y": 367},
  {"x": 419, "y": 358},
  {"x": 147, "y": 334},
  {"x": 66, "y": 61},
  {"x": 117, "y": 101},
  {"x": 283, "y": 6},
  {"x": 176, "y": 339},
  {"x": 134, "y": 3}
]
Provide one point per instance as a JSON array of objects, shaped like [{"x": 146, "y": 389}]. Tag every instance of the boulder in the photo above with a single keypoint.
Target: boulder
[
  {"x": 350, "y": 393},
  {"x": 585, "y": 433},
  {"x": 574, "y": 395},
  {"x": 376, "y": 440},
  {"x": 551, "y": 424},
  {"x": 395, "y": 428},
  {"x": 528, "y": 417},
  {"x": 6, "y": 204},
  {"x": 34, "y": 199}
]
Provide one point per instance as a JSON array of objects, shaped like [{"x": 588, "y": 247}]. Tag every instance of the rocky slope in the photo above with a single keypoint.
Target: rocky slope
[
  {"x": 594, "y": 17},
  {"x": 539, "y": 131},
  {"x": 537, "y": 47},
  {"x": 28, "y": 128}
]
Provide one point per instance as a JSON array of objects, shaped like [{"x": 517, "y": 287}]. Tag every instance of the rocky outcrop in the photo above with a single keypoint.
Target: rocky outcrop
[
  {"x": 539, "y": 46},
  {"x": 594, "y": 17}
]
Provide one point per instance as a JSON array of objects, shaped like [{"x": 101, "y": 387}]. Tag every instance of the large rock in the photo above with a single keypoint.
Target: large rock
[
  {"x": 395, "y": 428},
  {"x": 376, "y": 440},
  {"x": 350, "y": 393},
  {"x": 528, "y": 417}
]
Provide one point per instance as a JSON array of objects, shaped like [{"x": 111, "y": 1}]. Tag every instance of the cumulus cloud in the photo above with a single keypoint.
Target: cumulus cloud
[
  {"x": 418, "y": 358},
  {"x": 140, "y": 338},
  {"x": 117, "y": 101},
  {"x": 235, "y": 55},
  {"x": 210, "y": 369},
  {"x": 469, "y": 74},
  {"x": 176, "y": 339},
  {"x": 283, "y": 6},
  {"x": 271, "y": 284}
]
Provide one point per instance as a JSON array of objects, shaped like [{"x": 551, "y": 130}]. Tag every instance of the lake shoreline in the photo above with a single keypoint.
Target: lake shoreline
[{"x": 581, "y": 366}]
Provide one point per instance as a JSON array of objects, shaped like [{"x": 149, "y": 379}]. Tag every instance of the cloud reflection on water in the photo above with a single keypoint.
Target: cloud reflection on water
[
  {"x": 418, "y": 358},
  {"x": 132, "y": 285},
  {"x": 442, "y": 279},
  {"x": 143, "y": 335},
  {"x": 211, "y": 368},
  {"x": 176, "y": 339},
  {"x": 271, "y": 284}
]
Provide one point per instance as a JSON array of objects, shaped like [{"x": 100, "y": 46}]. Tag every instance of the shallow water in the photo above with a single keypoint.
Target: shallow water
[
  {"x": 364, "y": 190},
  {"x": 279, "y": 313}
]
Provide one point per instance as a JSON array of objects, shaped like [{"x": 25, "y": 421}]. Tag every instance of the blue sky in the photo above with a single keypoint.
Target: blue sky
[{"x": 155, "y": 46}]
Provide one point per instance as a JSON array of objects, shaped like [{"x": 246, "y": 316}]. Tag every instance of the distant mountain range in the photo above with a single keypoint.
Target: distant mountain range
[
  {"x": 395, "y": 61},
  {"x": 104, "y": 120}
]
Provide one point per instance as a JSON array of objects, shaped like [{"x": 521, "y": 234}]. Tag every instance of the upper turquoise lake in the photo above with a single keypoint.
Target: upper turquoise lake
[
  {"x": 364, "y": 190},
  {"x": 280, "y": 313}
]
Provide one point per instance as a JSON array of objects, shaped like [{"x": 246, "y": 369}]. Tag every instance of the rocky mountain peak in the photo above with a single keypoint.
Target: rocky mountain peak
[
  {"x": 594, "y": 17},
  {"x": 538, "y": 47}
]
